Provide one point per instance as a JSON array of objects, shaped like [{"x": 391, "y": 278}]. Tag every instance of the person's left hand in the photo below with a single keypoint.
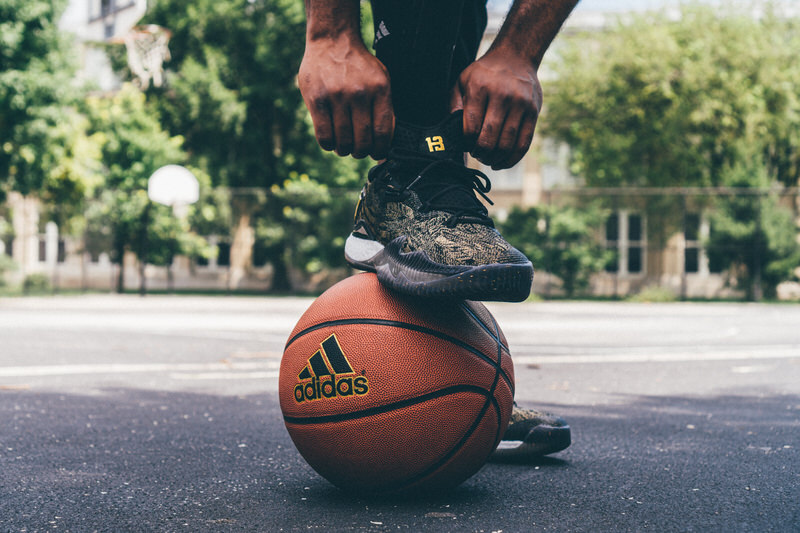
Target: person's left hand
[{"x": 501, "y": 98}]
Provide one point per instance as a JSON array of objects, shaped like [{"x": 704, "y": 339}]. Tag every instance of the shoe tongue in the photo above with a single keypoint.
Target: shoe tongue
[{"x": 443, "y": 141}]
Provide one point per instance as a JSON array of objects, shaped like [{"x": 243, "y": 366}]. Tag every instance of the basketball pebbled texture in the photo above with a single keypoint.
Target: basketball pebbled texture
[{"x": 384, "y": 393}]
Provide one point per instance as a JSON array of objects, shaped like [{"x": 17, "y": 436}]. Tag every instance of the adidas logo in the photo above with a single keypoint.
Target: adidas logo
[
  {"x": 381, "y": 32},
  {"x": 328, "y": 374}
]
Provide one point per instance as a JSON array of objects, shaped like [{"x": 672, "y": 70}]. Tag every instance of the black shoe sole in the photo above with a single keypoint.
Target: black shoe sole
[
  {"x": 540, "y": 441},
  {"x": 416, "y": 275}
]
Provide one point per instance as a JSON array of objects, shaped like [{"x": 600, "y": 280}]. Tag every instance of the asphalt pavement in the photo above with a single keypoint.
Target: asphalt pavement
[{"x": 161, "y": 414}]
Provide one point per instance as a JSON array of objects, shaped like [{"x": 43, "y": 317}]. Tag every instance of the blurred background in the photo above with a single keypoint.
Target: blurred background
[{"x": 665, "y": 164}]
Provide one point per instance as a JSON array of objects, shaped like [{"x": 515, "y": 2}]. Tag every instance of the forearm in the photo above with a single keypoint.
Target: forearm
[
  {"x": 333, "y": 19},
  {"x": 530, "y": 27}
]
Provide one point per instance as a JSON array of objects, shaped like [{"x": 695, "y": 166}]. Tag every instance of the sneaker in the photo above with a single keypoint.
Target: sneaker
[
  {"x": 532, "y": 434},
  {"x": 421, "y": 227}
]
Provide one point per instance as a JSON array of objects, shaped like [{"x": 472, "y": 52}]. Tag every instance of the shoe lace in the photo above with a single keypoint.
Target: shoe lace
[{"x": 446, "y": 185}]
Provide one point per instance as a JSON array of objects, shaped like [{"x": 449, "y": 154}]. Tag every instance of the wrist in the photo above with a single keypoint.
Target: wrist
[
  {"x": 512, "y": 55},
  {"x": 343, "y": 35},
  {"x": 333, "y": 21},
  {"x": 530, "y": 27},
  {"x": 336, "y": 41}
]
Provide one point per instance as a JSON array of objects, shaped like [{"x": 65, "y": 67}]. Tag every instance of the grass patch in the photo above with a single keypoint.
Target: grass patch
[{"x": 653, "y": 294}]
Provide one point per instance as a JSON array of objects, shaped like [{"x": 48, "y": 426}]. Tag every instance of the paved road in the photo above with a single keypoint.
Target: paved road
[{"x": 160, "y": 414}]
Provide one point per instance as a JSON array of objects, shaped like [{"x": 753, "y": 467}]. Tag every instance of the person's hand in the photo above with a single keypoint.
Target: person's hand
[
  {"x": 502, "y": 98},
  {"x": 347, "y": 92}
]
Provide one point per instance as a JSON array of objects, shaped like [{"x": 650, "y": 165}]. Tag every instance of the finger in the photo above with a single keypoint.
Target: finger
[
  {"x": 475, "y": 102},
  {"x": 343, "y": 130},
  {"x": 509, "y": 133},
  {"x": 523, "y": 144},
  {"x": 382, "y": 125},
  {"x": 320, "y": 112},
  {"x": 490, "y": 132},
  {"x": 362, "y": 130}
]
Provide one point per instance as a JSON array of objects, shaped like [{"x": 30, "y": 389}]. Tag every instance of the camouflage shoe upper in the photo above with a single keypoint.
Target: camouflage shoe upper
[
  {"x": 422, "y": 228},
  {"x": 424, "y": 193}
]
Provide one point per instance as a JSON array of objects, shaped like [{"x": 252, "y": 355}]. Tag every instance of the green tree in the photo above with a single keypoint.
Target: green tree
[
  {"x": 659, "y": 101},
  {"x": 133, "y": 146},
  {"x": 36, "y": 94},
  {"x": 752, "y": 235},
  {"x": 231, "y": 93},
  {"x": 302, "y": 225},
  {"x": 560, "y": 240},
  {"x": 44, "y": 148},
  {"x": 706, "y": 99}
]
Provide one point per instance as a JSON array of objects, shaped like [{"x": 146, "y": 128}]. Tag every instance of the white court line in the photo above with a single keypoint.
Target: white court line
[
  {"x": 681, "y": 357},
  {"x": 256, "y": 367},
  {"x": 72, "y": 370},
  {"x": 224, "y": 375}
]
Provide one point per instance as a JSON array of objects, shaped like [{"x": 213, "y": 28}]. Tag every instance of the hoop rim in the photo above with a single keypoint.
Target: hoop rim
[{"x": 141, "y": 29}]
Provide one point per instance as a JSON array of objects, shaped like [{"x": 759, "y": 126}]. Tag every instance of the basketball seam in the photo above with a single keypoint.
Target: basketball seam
[
  {"x": 485, "y": 328},
  {"x": 380, "y": 409},
  {"x": 496, "y": 336},
  {"x": 409, "y": 326},
  {"x": 499, "y": 371},
  {"x": 490, "y": 400}
]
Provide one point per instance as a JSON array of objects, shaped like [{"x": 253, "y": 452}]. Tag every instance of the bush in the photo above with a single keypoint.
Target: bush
[
  {"x": 753, "y": 235},
  {"x": 653, "y": 294},
  {"x": 559, "y": 240},
  {"x": 36, "y": 283},
  {"x": 6, "y": 265}
]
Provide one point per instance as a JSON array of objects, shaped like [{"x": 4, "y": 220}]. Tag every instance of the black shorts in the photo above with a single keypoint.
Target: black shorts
[{"x": 425, "y": 45}]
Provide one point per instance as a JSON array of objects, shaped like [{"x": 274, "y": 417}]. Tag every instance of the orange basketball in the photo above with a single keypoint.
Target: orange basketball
[{"x": 383, "y": 393}]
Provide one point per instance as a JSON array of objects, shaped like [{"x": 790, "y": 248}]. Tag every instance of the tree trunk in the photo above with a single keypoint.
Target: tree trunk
[
  {"x": 241, "y": 258},
  {"x": 170, "y": 278},
  {"x": 142, "y": 278},
  {"x": 281, "y": 282},
  {"x": 121, "y": 273}
]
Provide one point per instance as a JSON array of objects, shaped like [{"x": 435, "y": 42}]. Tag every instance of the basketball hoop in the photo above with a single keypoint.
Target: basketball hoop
[
  {"x": 175, "y": 186},
  {"x": 147, "y": 50}
]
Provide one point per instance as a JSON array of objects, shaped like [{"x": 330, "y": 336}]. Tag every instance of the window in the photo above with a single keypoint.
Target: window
[
  {"x": 635, "y": 244},
  {"x": 612, "y": 244},
  {"x": 100, "y": 9},
  {"x": 224, "y": 254},
  {"x": 695, "y": 231},
  {"x": 260, "y": 256},
  {"x": 106, "y": 7},
  {"x": 626, "y": 237}
]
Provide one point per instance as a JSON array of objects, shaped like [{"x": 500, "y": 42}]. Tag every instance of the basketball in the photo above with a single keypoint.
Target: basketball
[{"x": 383, "y": 393}]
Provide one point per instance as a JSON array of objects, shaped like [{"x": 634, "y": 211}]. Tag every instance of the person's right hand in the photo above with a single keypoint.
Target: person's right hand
[{"x": 347, "y": 91}]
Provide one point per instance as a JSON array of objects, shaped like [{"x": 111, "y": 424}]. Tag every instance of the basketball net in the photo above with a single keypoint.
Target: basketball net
[{"x": 147, "y": 50}]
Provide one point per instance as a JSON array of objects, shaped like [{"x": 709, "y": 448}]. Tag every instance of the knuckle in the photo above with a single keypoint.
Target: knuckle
[
  {"x": 339, "y": 93},
  {"x": 363, "y": 129},
  {"x": 472, "y": 121},
  {"x": 378, "y": 86},
  {"x": 504, "y": 147},
  {"x": 484, "y": 145},
  {"x": 320, "y": 103},
  {"x": 359, "y": 94},
  {"x": 381, "y": 132}
]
